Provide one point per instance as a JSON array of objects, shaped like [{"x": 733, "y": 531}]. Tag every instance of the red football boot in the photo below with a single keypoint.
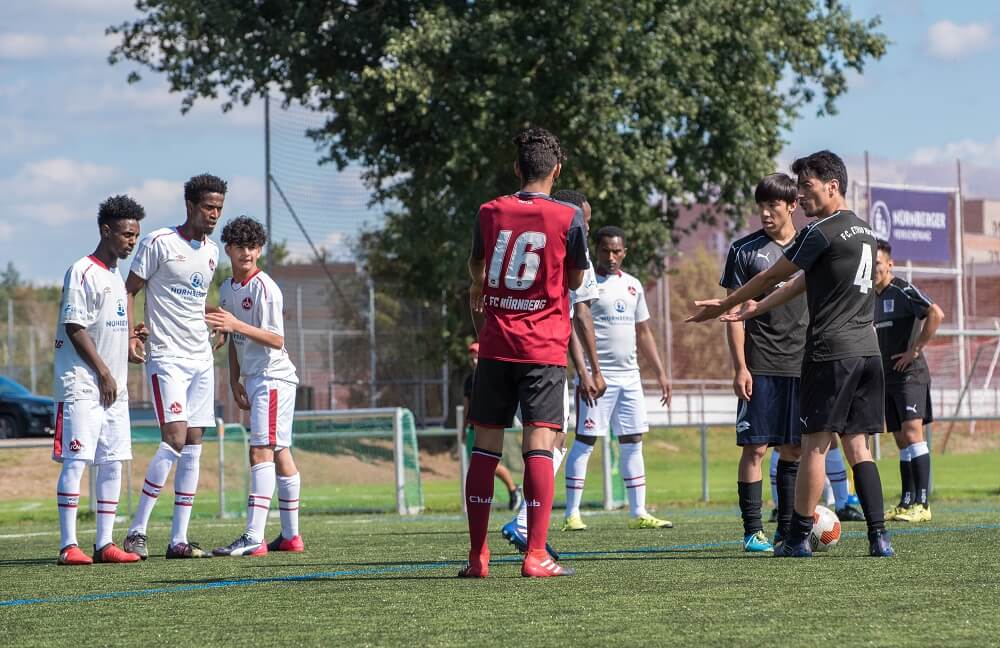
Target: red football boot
[
  {"x": 110, "y": 553},
  {"x": 478, "y": 567},
  {"x": 71, "y": 555},
  {"x": 539, "y": 564},
  {"x": 295, "y": 545}
]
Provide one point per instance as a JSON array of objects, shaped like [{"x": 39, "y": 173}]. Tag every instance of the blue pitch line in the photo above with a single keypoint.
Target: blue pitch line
[{"x": 376, "y": 571}]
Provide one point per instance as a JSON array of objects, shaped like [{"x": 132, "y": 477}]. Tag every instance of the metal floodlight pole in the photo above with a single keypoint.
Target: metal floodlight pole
[
  {"x": 267, "y": 178},
  {"x": 960, "y": 276},
  {"x": 868, "y": 189}
]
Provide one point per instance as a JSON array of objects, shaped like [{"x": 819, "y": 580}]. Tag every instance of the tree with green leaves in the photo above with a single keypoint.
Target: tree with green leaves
[{"x": 673, "y": 99}]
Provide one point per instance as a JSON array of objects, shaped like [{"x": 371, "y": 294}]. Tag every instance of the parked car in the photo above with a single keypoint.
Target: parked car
[{"x": 23, "y": 414}]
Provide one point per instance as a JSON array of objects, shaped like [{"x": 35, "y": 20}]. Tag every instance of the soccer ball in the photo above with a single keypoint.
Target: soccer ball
[{"x": 826, "y": 529}]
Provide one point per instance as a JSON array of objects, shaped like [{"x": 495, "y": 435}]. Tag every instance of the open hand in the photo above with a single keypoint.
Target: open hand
[
  {"x": 748, "y": 310},
  {"x": 709, "y": 309}
]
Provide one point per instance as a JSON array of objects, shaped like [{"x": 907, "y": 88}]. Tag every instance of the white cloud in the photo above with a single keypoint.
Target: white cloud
[
  {"x": 85, "y": 42},
  {"x": 163, "y": 201},
  {"x": 57, "y": 177},
  {"x": 6, "y": 231},
  {"x": 116, "y": 7},
  {"x": 949, "y": 41},
  {"x": 968, "y": 150},
  {"x": 22, "y": 46}
]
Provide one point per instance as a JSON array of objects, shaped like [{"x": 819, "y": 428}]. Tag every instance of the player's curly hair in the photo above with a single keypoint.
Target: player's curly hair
[
  {"x": 777, "y": 186},
  {"x": 244, "y": 231},
  {"x": 570, "y": 196},
  {"x": 611, "y": 231},
  {"x": 118, "y": 208},
  {"x": 825, "y": 166},
  {"x": 202, "y": 184},
  {"x": 538, "y": 152}
]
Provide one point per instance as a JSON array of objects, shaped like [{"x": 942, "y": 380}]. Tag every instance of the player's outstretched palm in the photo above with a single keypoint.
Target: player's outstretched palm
[
  {"x": 710, "y": 309},
  {"x": 748, "y": 310}
]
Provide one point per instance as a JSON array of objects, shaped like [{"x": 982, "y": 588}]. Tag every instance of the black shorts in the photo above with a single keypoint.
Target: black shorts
[
  {"x": 844, "y": 396},
  {"x": 906, "y": 402},
  {"x": 501, "y": 386},
  {"x": 771, "y": 416}
]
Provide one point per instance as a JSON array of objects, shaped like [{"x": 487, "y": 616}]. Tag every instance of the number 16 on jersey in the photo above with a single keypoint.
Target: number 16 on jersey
[{"x": 523, "y": 265}]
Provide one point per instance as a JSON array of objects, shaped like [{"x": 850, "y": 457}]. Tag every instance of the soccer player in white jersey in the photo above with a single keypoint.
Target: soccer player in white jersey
[
  {"x": 175, "y": 266},
  {"x": 91, "y": 370},
  {"x": 621, "y": 322},
  {"x": 251, "y": 315}
]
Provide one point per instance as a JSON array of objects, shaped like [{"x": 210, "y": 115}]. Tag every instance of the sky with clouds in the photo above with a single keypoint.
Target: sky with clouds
[{"x": 72, "y": 131}]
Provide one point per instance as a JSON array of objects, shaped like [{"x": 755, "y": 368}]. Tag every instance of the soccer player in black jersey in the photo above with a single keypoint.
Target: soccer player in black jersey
[
  {"x": 906, "y": 320},
  {"x": 842, "y": 385},
  {"x": 767, "y": 358}
]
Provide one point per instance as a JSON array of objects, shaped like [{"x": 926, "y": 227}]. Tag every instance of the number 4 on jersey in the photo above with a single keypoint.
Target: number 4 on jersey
[
  {"x": 523, "y": 265},
  {"x": 863, "y": 279}
]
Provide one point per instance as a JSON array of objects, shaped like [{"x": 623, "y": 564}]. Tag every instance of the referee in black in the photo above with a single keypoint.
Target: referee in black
[
  {"x": 906, "y": 319},
  {"x": 842, "y": 385}
]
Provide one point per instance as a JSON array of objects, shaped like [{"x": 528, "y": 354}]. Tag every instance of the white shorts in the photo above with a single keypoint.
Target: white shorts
[
  {"x": 183, "y": 390},
  {"x": 272, "y": 407},
  {"x": 87, "y": 431},
  {"x": 622, "y": 408}
]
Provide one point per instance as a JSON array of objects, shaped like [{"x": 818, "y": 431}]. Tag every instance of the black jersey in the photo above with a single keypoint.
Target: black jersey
[
  {"x": 775, "y": 341},
  {"x": 898, "y": 309},
  {"x": 838, "y": 256}
]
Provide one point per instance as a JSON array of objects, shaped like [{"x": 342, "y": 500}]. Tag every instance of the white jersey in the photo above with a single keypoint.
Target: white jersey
[
  {"x": 177, "y": 272},
  {"x": 257, "y": 301},
  {"x": 93, "y": 296},
  {"x": 621, "y": 304},
  {"x": 587, "y": 292}
]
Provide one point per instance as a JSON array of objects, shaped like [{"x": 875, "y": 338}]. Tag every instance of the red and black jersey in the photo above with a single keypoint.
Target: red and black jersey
[{"x": 528, "y": 241}]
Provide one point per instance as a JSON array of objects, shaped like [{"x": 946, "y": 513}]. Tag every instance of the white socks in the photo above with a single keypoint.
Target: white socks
[
  {"x": 633, "y": 470},
  {"x": 68, "y": 499},
  {"x": 185, "y": 487},
  {"x": 918, "y": 449},
  {"x": 576, "y": 474},
  {"x": 262, "y": 478},
  {"x": 109, "y": 486},
  {"x": 156, "y": 477},
  {"x": 288, "y": 505}
]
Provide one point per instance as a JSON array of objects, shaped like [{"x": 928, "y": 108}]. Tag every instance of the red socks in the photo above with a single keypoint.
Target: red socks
[
  {"x": 539, "y": 484},
  {"x": 479, "y": 496}
]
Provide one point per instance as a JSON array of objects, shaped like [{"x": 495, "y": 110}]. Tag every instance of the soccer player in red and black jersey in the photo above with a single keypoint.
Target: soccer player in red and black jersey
[{"x": 528, "y": 251}]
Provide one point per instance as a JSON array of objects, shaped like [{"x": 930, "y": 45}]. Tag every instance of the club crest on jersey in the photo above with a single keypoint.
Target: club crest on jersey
[
  {"x": 247, "y": 303},
  {"x": 59, "y": 343},
  {"x": 632, "y": 291},
  {"x": 619, "y": 305},
  {"x": 75, "y": 445},
  {"x": 589, "y": 424},
  {"x": 197, "y": 280},
  {"x": 120, "y": 308},
  {"x": 211, "y": 265},
  {"x": 888, "y": 305},
  {"x": 175, "y": 408}
]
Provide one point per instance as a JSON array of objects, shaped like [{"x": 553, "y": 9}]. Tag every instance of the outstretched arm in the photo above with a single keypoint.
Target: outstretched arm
[
  {"x": 761, "y": 283},
  {"x": 783, "y": 295}
]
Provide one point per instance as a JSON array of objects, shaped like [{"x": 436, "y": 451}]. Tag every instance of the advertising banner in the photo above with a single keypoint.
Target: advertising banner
[{"x": 916, "y": 223}]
